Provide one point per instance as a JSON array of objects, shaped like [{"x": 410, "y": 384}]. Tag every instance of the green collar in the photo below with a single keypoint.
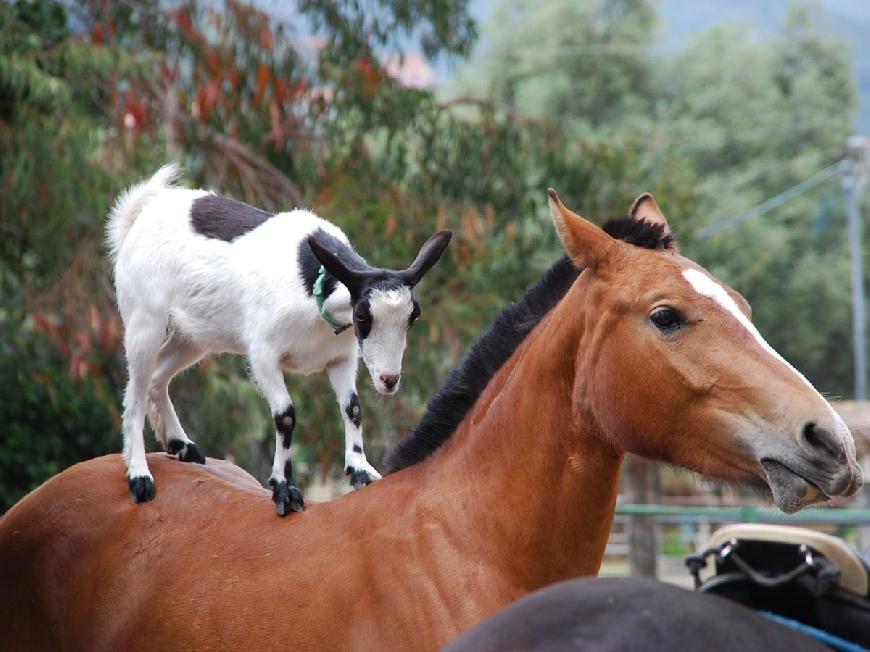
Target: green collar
[{"x": 320, "y": 298}]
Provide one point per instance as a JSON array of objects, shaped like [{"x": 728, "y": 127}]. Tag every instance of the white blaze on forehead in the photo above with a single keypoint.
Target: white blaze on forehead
[{"x": 706, "y": 286}]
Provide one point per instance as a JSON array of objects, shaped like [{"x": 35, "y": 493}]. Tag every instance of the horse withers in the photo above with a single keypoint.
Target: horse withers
[{"x": 508, "y": 483}]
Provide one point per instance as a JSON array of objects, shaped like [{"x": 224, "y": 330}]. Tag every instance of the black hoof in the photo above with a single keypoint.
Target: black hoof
[
  {"x": 287, "y": 498},
  {"x": 358, "y": 479},
  {"x": 191, "y": 454},
  {"x": 142, "y": 489},
  {"x": 186, "y": 453}
]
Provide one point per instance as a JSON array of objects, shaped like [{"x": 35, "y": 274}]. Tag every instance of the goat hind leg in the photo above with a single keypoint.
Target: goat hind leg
[
  {"x": 176, "y": 354},
  {"x": 142, "y": 339}
]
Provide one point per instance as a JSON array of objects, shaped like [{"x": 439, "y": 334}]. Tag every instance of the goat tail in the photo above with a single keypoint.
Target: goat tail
[{"x": 130, "y": 203}]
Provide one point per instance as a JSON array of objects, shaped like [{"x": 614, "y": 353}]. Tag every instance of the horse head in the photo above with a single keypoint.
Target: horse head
[{"x": 672, "y": 368}]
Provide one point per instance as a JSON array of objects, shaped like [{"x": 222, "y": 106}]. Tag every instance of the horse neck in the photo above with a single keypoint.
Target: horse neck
[{"x": 535, "y": 486}]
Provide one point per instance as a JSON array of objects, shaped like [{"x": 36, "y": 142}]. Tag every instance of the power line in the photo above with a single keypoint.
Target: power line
[{"x": 772, "y": 203}]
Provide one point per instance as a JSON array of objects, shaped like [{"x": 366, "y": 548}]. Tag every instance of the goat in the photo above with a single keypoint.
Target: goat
[{"x": 196, "y": 273}]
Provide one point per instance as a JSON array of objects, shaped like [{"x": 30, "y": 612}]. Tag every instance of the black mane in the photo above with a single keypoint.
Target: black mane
[
  {"x": 469, "y": 378},
  {"x": 486, "y": 356},
  {"x": 639, "y": 232}
]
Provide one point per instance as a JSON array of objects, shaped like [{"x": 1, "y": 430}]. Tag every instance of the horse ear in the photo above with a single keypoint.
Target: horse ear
[
  {"x": 586, "y": 244},
  {"x": 645, "y": 208},
  {"x": 343, "y": 270},
  {"x": 429, "y": 254}
]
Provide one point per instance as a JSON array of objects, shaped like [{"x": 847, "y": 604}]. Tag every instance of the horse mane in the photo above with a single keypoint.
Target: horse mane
[
  {"x": 640, "y": 233},
  {"x": 451, "y": 403}
]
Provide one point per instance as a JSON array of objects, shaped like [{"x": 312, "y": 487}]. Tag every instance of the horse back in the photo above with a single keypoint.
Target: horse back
[{"x": 209, "y": 565}]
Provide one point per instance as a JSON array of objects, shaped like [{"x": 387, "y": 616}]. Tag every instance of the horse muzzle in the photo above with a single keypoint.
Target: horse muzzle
[{"x": 796, "y": 484}]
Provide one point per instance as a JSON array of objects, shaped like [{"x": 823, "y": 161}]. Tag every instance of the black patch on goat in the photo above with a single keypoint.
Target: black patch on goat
[
  {"x": 225, "y": 219},
  {"x": 639, "y": 232},
  {"x": 285, "y": 422},
  {"x": 309, "y": 266},
  {"x": 362, "y": 318},
  {"x": 309, "y": 269},
  {"x": 353, "y": 412},
  {"x": 189, "y": 452}
]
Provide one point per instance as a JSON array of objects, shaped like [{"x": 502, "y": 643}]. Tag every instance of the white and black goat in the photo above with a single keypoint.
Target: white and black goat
[{"x": 196, "y": 273}]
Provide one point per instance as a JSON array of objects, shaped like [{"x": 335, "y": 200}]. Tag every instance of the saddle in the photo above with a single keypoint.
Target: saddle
[{"x": 796, "y": 575}]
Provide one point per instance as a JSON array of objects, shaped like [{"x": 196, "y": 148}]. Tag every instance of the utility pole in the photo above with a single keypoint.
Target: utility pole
[{"x": 854, "y": 180}]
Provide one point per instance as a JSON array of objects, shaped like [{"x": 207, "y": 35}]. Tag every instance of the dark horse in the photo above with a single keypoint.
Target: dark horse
[
  {"x": 508, "y": 484},
  {"x": 628, "y": 614}
]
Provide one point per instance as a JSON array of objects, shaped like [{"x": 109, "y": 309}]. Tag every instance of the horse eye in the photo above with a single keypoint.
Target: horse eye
[{"x": 667, "y": 319}]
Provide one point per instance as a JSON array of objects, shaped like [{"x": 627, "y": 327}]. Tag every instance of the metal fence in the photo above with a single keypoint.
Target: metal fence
[{"x": 678, "y": 514}]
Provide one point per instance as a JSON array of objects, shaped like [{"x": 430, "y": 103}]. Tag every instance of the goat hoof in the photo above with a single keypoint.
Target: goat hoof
[
  {"x": 187, "y": 452},
  {"x": 142, "y": 489},
  {"x": 287, "y": 498},
  {"x": 191, "y": 454},
  {"x": 358, "y": 479}
]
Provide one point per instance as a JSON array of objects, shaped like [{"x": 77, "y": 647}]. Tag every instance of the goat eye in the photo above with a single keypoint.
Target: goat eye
[
  {"x": 667, "y": 319},
  {"x": 415, "y": 314}
]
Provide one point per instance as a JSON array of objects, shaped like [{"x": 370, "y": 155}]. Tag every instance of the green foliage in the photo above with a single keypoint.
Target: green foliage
[{"x": 49, "y": 419}]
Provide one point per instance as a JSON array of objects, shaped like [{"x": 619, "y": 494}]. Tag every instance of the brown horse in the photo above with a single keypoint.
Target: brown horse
[{"x": 643, "y": 352}]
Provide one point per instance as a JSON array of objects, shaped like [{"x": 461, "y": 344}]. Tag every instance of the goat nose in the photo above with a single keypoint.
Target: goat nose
[
  {"x": 389, "y": 381},
  {"x": 822, "y": 443}
]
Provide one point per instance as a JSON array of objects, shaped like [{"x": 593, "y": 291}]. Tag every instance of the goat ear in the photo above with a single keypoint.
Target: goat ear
[
  {"x": 585, "y": 243},
  {"x": 342, "y": 270},
  {"x": 429, "y": 254}
]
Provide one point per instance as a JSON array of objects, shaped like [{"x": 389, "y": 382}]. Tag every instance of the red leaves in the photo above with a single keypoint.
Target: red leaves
[
  {"x": 264, "y": 76},
  {"x": 214, "y": 62},
  {"x": 266, "y": 36},
  {"x": 277, "y": 132},
  {"x": 81, "y": 338},
  {"x": 207, "y": 97},
  {"x": 370, "y": 74},
  {"x": 135, "y": 113},
  {"x": 185, "y": 24}
]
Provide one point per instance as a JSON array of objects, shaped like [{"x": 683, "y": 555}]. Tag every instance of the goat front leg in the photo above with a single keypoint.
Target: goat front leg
[
  {"x": 267, "y": 374},
  {"x": 342, "y": 377}
]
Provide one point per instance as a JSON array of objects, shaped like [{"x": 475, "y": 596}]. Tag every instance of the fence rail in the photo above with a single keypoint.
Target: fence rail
[{"x": 744, "y": 514}]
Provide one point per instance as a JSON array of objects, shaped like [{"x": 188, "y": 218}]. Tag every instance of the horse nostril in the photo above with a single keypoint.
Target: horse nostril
[
  {"x": 821, "y": 441},
  {"x": 389, "y": 381}
]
